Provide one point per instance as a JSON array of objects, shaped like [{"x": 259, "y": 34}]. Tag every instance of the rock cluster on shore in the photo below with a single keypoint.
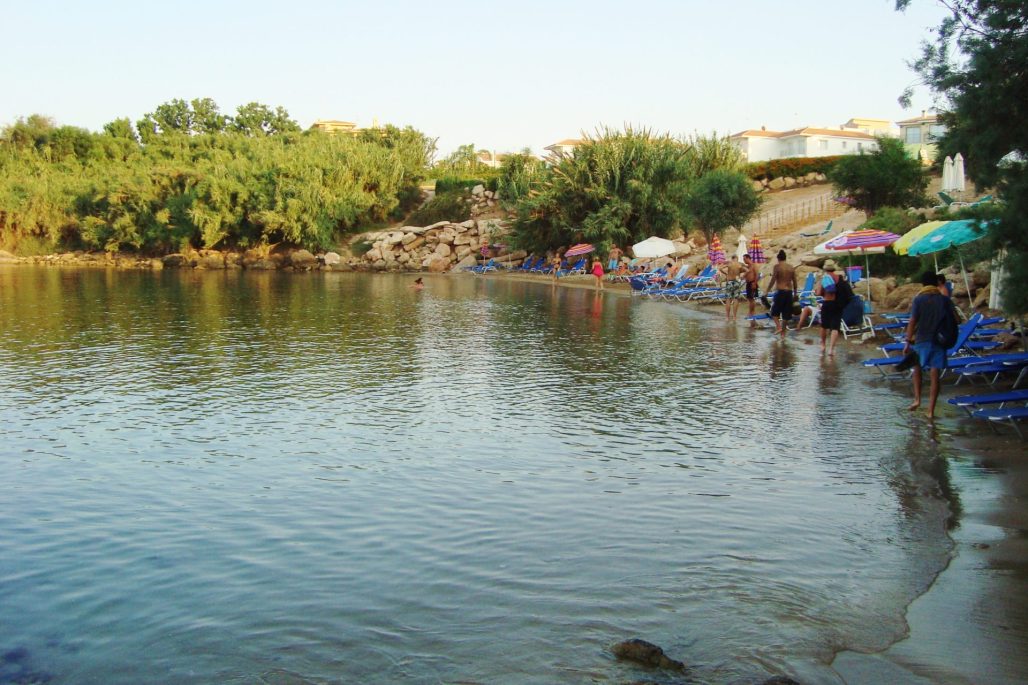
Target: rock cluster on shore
[
  {"x": 442, "y": 246},
  {"x": 786, "y": 182}
]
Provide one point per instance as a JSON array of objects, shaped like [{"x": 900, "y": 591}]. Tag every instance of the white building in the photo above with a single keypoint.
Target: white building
[
  {"x": 761, "y": 145},
  {"x": 564, "y": 147}
]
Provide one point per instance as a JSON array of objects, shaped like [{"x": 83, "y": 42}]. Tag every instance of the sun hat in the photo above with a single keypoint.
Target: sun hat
[{"x": 829, "y": 265}]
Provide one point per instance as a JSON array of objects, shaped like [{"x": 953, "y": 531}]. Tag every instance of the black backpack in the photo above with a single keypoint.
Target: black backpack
[
  {"x": 843, "y": 292},
  {"x": 948, "y": 330}
]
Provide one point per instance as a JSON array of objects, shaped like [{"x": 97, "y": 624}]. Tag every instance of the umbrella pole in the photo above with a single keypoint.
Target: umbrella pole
[
  {"x": 967, "y": 283},
  {"x": 867, "y": 275},
  {"x": 935, "y": 258}
]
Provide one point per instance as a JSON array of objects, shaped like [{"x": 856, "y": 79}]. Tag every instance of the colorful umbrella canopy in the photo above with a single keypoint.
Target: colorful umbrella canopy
[
  {"x": 950, "y": 234},
  {"x": 580, "y": 249},
  {"x": 824, "y": 249},
  {"x": 756, "y": 251},
  {"x": 862, "y": 240},
  {"x": 653, "y": 247},
  {"x": 913, "y": 235},
  {"x": 715, "y": 254}
]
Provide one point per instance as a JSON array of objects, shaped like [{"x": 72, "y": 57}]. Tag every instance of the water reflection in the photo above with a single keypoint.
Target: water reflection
[{"x": 334, "y": 476}]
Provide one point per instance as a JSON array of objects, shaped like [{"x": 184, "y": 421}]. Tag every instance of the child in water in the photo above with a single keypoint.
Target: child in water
[{"x": 418, "y": 284}]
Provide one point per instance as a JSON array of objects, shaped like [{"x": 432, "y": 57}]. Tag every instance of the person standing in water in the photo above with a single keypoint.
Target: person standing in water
[
  {"x": 597, "y": 272},
  {"x": 783, "y": 284},
  {"x": 419, "y": 284},
  {"x": 731, "y": 271},
  {"x": 750, "y": 276}
]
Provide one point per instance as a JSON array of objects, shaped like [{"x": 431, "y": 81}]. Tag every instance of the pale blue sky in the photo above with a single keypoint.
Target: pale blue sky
[{"x": 499, "y": 75}]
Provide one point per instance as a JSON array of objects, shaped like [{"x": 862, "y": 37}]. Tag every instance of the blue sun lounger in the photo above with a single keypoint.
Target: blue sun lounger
[
  {"x": 970, "y": 403},
  {"x": 1009, "y": 415},
  {"x": 885, "y": 364}
]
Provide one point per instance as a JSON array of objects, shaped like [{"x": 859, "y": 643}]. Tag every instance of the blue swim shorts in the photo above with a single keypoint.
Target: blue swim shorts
[{"x": 930, "y": 355}]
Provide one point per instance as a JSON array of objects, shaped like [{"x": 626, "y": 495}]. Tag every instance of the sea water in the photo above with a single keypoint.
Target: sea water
[{"x": 230, "y": 477}]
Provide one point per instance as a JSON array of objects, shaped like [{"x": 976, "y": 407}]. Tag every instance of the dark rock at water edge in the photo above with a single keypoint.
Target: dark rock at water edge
[{"x": 645, "y": 653}]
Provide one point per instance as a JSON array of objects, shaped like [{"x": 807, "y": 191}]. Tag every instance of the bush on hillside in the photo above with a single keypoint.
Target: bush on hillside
[
  {"x": 795, "y": 166},
  {"x": 449, "y": 206},
  {"x": 449, "y": 184}
]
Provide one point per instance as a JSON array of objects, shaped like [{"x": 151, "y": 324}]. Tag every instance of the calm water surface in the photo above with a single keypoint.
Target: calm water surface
[{"x": 331, "y": 478}]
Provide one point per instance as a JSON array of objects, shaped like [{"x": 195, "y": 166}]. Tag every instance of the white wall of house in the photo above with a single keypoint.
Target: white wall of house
[{"x": 760, "y": 149}]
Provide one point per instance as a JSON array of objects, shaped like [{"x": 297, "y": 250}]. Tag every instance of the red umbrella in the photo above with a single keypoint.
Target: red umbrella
[
  {"x": 580, "y": 249},
  {"x": 715, "y": 254},
  {"x": 756, "y": 252}
]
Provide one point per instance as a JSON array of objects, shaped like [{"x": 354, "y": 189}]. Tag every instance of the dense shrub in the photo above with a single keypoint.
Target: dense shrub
[
  {"x": 517, "y": 174},
  {"x": 795, "y": 166},
  {"x": 450, "y": 206},
  {"x": 65, "y": 187},
  {"x": 886, "y": 176},
  {"x": 617, "y": 188}
]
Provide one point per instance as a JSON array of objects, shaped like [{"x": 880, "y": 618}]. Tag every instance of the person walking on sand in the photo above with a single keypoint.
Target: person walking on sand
[
  {"x": 731, "y": 271},
  {"x": 928, "y": 315},
  {"x": 783, "y": 285},
  {"x": 597, "y": 271},
  {"x": 751, "y": 277}
]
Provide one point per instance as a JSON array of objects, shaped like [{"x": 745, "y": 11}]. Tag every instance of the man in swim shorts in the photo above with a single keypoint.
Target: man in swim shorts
[
  {"x": 783, "y": 285},
  {"x": 733, "y": 286},
  {"x": 750, "y": 277}
]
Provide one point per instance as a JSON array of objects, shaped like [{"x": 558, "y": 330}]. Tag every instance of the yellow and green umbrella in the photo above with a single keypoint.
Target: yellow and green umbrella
[{"x": 902, "y": 245}]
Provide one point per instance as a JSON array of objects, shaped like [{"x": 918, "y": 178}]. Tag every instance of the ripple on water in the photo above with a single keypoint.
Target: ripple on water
[{"x": 337, "y": 479}]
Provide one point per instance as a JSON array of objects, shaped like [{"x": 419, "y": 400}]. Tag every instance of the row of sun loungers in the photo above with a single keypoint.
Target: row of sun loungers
[{"x": 968, "y": 363}]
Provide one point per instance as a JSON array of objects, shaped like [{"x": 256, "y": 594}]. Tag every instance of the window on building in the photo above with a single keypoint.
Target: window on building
[
  {"x": 912, "y": 135},
  {"x": 860, "y": 147},
  {"x": 822, "y": 145},
  {"x": 936, "y": 131},
  {"x": 845, "y": 144}
]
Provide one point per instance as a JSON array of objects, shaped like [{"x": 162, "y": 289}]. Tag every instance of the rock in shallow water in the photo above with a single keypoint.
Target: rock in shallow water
[{"x": 645, "y": 653}]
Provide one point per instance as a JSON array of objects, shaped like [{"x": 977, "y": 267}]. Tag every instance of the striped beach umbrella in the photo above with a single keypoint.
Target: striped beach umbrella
[
  {"x": 862, "y": 240},
  {"x": 756, "y": 251},
  {"x": 579, "y": 249},
  {"x": 715, "y": 254}
]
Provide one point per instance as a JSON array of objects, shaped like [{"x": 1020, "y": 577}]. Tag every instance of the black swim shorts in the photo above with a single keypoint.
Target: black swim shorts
[{"x": 781, "y": 304}]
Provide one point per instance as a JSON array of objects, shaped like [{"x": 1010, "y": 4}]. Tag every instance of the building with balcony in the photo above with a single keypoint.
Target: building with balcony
[{"x": 920, "y": 136}]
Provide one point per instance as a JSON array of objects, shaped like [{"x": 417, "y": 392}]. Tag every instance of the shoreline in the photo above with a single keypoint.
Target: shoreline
[{"x": 952, "y": 637}]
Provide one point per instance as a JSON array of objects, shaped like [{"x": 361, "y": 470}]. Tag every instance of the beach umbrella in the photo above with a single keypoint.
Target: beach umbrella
[
  {"x": 862, "y": 242},
  {"x": 951, "y": 234},
  {"x": 653, "y": 247},
  {"x": 756, "y": 251},
  {"x": 947, "y": 174},
  {"x": 580, "y": 249},
  {"x": 958, "y": 173},
  {"x": 901, "y": 246},
  {"x": 715, "y": 254},
  {"x": 861, "y": 239}
]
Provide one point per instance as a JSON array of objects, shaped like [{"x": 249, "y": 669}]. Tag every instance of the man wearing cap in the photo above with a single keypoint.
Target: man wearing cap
[{"x": 831, "y": 307}]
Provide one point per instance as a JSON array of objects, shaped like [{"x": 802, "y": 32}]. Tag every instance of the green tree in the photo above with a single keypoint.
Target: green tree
[
  {"x": 618, "y": 187},
  {"x": 207, "y": 118},
  {"x": 120, "y": 128},
  {"x": 720, "y": 199},
  {"x": 174, "y": 116},
  {"x": 255, "y": 119},
  {"x": 886, "y": 176},
  {"x": 976, "y": 64},
  {"x": 517, "y": 175},
  {"x": 710, "y": 152}
]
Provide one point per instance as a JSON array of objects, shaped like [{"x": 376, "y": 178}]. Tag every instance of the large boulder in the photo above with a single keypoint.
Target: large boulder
[
  {"x": 264, "y": 264},
  {"x": 175, "y": 260},
  {"x": 776, "y": 183},
  {"x": 981, "y": 298},
  {"x": 302, "y": 260},
  {"x": 900, "y": 298},
  {"x": 812, "y": 260},
  {"x": 332, "y": 258},
  {"x": 465, "y": 262},
  {"x": 438, "y": 264},
  {"x": 789, "y": 181},
  {"x": 463, "y": 251},
  {"x": 373, "y": 255},
  {"x": 409, "y": 238},
  {"x": 394, "y": 238},
  {"x": 442, "y": 250},
  {"x": 645, "y": 653},
  {"x": 211, "y": 260},
  {"x": 478, "y": 190},
  {"x": 879, "y": 289},
  {"x": 414, "y": 244},
  {"x": 981, "y": 276}
]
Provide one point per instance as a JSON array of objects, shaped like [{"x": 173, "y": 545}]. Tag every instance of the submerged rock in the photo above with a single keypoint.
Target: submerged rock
[
  {"x": 645, "y": 653},
  {"x": 781, "y": 680}
]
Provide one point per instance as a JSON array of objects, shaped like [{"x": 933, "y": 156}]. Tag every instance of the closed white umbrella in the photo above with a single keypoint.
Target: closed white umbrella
[
  {"x": 947, "y": 174},
  {"x": 958, "y": 173},
  {"x": 653, "y": 247}
]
